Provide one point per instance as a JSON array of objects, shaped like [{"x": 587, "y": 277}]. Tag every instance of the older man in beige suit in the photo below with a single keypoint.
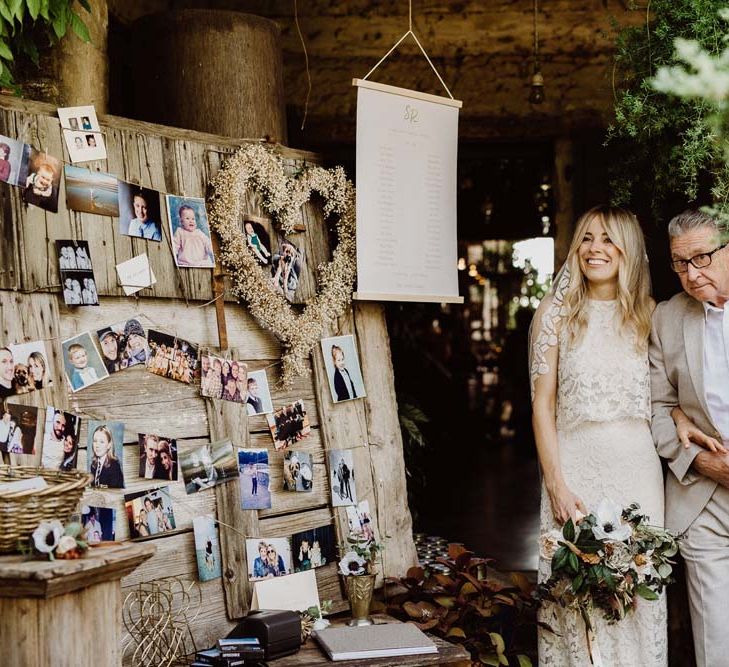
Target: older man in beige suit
[{"x": 689, "y": 355}]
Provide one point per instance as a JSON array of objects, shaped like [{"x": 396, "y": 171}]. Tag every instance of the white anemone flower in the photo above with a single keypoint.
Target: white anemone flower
[
  {"x": 610, "y": 524},
  {"x": 351, "y": 564},
  {"x": 47, "y": 536},
  {"x": 66, "y": 543}
]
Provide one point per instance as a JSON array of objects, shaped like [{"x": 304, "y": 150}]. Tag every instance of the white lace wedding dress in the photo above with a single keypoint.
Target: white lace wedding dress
[{"x": 606, "y": 450}]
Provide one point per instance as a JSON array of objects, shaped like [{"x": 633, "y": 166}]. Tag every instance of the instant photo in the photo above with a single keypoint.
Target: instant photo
[
  {"x": 223, "y": 378},
  {"x": 289, "y": 425},
  {"x": 287, "y": 263},
  {"x": 171, "y": 357},
  {"x": 188, "y": 223},
  {"x": 18, "y": 428},
  {"x": 314, "y": 548},
  {"x": 105, "y": 454},
  {"x": 91, "y": 191},
  {"x": 341, "y": 477},
  {"x": 360, "y": 521},
  {"x": 82, "y": 362},
  {"x": 24, "y": 368},
  {"x": 208, "y": 465},
  {"x": 258, "y": 395},
  {"x": 254, "y": 479},
  {"x": 298, "y": 471},
  {"x": 150, "y": 513},
  {"x": 259, "y": 232},
  {"x": 343, "y": 369},
  {"x": 60, "y": 440},
  {"x": 157, "y": 457},
  {"x": 42, "y": 181},
  {"x": 82, "y": 133},
  {"x": 207, "y": 548},
  {"x": 77, "y": 274},
  {"x": 13, "y": 160},
  {"x": 99, "y": 524},
  {"x": 139, "y": 212},
  {"x": 268, "y": 557},
  {"x": 123, "y": 345}
]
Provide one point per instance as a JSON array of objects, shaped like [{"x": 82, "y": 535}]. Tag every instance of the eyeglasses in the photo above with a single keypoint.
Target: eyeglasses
[{"x": 700, "y": 261}]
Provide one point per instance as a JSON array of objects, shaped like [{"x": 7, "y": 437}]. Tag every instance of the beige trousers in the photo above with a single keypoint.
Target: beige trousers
[{"x": 706, "y": 552}]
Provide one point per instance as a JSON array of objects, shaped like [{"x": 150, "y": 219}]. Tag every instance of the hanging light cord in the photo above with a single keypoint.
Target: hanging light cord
[{"x": 536, "y": 35}]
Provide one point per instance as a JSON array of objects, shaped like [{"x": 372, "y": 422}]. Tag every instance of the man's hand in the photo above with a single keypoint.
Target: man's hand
[{"x": 713, "y": 465}]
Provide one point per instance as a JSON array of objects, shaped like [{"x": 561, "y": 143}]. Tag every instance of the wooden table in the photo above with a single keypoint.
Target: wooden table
[
  {"x": 311, "y": 655},
  {"x": 65, "y": 613}
]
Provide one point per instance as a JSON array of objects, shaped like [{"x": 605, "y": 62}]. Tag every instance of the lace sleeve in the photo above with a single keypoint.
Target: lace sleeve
[{"x": 544, "y": 329}]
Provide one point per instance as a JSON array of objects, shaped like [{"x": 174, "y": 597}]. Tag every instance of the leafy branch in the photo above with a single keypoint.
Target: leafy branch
[{"x": 26, "y": 24}]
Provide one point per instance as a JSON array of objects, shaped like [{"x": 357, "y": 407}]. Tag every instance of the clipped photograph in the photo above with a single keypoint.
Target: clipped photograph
[
  {"x": 343, "y": 370},
  {"x": 123, "y": 345},
  {"x": 207, "y": 548},
  {"x": 289, "y": 425},
  {"x": 139, "y": 212},
  {"x": 91, "y": 191},
  {"x": 188, "y": 222},
  {"x": 254, "y": 479},
  {"x": 259, "y": 232},
  {"x": 82, "y": 132},
  {"x": 171, "y": 357},
  {"x": 99, "y": 524},
  {"x": 223, "y": 378},
  {"x": 287, "y": 264},
  {"x": 42, "y": 181},
  {"x": 13, "y": 160},
  {"x": 60, "y": 440},
  {"x": 314, "y": 548},
  {"x": 105, "y": 454},
  {"x": 258, "y": 395},
  {"x": 82, "y": 362},
  {"x": 77, "y": 273},
  {"x": 150, "y": 513},
  {"x": 298, "y": 471},
  {"x": 207, "y": 465},
  {"x": 24, "y": 368},
  {"x": 268, "y": 557},
  {"x": 18, "y": 429},
  {"x": 341, "y": 477},
  {"x": 157, "y": 457},
  {"x": 360, "y": 520}
]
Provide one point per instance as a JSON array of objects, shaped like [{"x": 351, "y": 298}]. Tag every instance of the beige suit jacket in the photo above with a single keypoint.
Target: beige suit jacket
[{"x": 677, "y": 379}]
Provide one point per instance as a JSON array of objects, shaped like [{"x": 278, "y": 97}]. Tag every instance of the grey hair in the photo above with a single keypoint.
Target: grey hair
[{"x": 690, "y": 220}]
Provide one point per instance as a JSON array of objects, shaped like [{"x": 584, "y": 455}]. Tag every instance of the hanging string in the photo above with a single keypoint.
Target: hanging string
[{"x": 306, "y": 61}]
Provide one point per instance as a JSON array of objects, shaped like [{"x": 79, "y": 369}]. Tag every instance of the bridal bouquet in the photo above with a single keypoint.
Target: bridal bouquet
[{"x": 606, "y": 561}]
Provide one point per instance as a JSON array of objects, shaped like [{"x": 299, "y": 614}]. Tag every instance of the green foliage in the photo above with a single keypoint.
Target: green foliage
[
  {"x": 26, "y": 23},
  {"x": 465, "y": 608},
  {"x": 664, "y": 143}
]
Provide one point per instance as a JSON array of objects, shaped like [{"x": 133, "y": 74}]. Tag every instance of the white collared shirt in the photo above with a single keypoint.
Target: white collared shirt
[{"x": 716, "y": 367}]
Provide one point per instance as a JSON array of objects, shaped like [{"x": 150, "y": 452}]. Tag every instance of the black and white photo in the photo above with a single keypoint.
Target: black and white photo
[{"x": 341, "y": 477}]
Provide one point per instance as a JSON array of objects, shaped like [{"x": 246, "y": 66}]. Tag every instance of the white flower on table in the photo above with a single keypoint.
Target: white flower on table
[
  {"x": 47, "y": 535},
  {"x": 610, "y": 524}
]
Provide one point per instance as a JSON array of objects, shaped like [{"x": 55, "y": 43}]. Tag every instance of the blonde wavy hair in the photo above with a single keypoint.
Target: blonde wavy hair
[{"x": 634, "y": 283}]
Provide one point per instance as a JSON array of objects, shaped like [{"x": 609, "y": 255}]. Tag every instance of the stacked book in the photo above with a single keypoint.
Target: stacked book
[{"x": 239, "y": 652}]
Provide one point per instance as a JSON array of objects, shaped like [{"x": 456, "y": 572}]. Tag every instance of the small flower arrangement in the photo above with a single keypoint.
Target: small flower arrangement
[
  {"x": 51, "y": 538},
  {"x": 360, "y": 555},
  {"x": 607, "y": 561}
]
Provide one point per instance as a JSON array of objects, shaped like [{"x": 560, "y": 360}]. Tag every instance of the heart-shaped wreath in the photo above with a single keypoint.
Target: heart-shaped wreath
[{"x": 259, "y": 168}]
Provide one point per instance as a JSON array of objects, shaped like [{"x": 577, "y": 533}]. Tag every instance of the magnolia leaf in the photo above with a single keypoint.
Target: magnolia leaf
[
  {"x": 34, "y": 7},
  {"x": 646, "y": 592},
  {"x": 455, "y": 631},
  {"x": 5, "y": 51},
  {"x": 523, "y": 660},
  {"x": 413, "y": 610},
  {"x": 573, "y": 562},
  {"x": 498, "y": 642},
  {"x": 568, "y": 530}
]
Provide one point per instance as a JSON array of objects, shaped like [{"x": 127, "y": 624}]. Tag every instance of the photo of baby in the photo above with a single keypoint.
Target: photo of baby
[
  {"x": 139, "y": 212},
  {"x": 343, "y": 369},
  {"x": 82, "y": 362},
  {"x": 24, "y": 368},
  {"x": 60, "y": 440},
  {"x": 42, "y": 181},
  {"x": 188, "y": 222},
  {"x": 258, "y": 233}
]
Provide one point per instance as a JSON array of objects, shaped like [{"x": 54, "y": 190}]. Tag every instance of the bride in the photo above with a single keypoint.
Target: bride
[{"x": 591, "y": 418}]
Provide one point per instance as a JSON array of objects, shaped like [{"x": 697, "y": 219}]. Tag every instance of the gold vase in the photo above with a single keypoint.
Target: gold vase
[{"x": 359, "y": 593}]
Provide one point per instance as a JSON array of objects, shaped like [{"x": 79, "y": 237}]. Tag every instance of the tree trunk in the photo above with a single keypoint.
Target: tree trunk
[{"x": 212, "y": 71}]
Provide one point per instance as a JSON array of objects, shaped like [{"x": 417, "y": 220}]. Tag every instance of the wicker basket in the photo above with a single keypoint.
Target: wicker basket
[{"x": 22, "y": 511}]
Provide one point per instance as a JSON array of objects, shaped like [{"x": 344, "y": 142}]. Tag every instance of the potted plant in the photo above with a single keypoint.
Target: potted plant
[{"x": 357, "y": 567}]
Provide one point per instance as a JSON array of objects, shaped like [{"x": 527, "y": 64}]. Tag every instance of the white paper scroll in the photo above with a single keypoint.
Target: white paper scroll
[{"x": 407, "y": 150}]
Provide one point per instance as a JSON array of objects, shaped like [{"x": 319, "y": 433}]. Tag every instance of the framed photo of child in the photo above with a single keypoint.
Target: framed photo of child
[
  {"x": 343, "y": 369},
  {"x": 82, "y": 362},
  {"x": 190, "y": 232}
]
